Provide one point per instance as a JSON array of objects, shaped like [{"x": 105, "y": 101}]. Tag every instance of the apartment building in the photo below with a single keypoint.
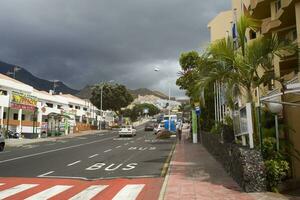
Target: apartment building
[{"x": 282, "y": 17}]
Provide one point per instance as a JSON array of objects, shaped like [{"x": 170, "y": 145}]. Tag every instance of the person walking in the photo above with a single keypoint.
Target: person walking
[{"x": 179, "y": 130}]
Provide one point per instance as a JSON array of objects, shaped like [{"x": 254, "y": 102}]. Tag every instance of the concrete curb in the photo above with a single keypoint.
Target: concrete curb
[
  {"x": 21, "y": 142},
  {"x": 165, "y": 183}
]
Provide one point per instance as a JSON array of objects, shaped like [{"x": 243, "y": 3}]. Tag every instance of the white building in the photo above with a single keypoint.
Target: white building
[{"x": 32, "y": 112}]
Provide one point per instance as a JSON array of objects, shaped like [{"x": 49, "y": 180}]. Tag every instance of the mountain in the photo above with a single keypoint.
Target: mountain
[
  {"x": 86, "y": 93},
  {"x": 40, "y": 84}
]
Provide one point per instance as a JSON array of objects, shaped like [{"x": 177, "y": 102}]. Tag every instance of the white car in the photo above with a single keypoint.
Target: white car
[
  {"x": 159, "y": 127},
  {"x": 127, "y": 130}
]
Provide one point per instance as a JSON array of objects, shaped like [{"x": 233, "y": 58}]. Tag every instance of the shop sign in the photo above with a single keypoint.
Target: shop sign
[{"x": 23, "y": 101}]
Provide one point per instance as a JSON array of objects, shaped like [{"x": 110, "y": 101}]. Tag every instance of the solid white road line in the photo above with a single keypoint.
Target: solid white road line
[
  {"x": 89, "y": 193},
  {"x": 129, "y": 192},
  {"x": 118, "y": 147},
  {"x": 74, "y": 163},
  {"x": 14, "y": 190},
  {"x": 108, "y": 150},
  {"x": 93, "y": 155},
  {"x": 54, "y": 150},
  {"x": 47, "y": 194},
  {"x": 45, "y": 174}
]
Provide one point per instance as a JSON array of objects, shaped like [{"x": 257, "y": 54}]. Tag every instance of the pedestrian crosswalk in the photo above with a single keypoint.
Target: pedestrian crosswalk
[{"x": 41, "y": 189}]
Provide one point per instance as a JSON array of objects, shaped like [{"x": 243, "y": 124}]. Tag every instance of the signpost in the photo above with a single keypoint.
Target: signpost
[{"x": 194, "y": 126}]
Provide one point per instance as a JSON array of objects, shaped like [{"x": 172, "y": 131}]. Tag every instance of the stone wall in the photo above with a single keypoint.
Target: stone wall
[{"x": 244, "y": 165}]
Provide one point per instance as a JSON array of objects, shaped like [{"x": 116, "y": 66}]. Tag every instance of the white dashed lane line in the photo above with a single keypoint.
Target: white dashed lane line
[
  {"x": 126, "y": 143},
  {"x": 93, "y": 155},
  {"x": 42, "y": 175},
  {"x": 74, "y": 163},
  {"x": 108, "y": 150},
  {"x": 118, "y": 147}
]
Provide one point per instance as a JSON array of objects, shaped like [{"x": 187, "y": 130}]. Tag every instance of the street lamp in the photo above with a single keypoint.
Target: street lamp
[
  {"x": 54, "y": 85},
  {"x": 276, "y": 108},
  {"x": 15, "y": 69},
  {"x": 156, "y": 69}
]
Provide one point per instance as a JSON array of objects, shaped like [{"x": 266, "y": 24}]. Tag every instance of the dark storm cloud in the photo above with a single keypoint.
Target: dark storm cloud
[{"x": 84, "y": 42}]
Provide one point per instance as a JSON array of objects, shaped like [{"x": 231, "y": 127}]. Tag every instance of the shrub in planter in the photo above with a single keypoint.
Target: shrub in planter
[
  {"x": 276, "y": 170},
  {"x": 164, "y": 134},
  {"x": 276, "y": 166}
]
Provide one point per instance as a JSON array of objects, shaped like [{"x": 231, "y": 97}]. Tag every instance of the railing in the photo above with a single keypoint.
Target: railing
[{"x": 292, "y": 81}]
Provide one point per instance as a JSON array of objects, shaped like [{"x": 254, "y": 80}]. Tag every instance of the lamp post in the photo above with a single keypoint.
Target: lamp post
[
  {"x": 15, "y": 69},
  {"x": 54, "y": 85},
  {"x": 156, "y": 69},
  {"x": 276, "y": 108}
]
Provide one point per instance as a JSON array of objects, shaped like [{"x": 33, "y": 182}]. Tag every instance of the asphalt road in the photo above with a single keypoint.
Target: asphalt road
[{"x": 95, "y": 156}]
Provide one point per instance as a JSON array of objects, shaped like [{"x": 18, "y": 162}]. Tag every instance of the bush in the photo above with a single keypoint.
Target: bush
[
  {"x": 115, "y": 126},
  {"x": 276, "y": 166},
  {"x": 276, "y": 170},
  {"x": 216, "y": 129},
  {"x": 165, "y": 134}
]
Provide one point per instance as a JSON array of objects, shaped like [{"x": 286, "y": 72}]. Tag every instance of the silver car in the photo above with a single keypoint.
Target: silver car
[{"x": 2, "y": 141}]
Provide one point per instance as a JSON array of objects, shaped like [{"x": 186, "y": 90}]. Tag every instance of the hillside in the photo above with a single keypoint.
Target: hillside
[
  {"x": 86, "y": 93},
  {"x": 40, "y": 84}
]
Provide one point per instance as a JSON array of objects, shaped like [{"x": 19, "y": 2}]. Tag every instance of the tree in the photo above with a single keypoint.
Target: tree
[
  {"x": 138, "y": 110},
  {"x": 114, "y": 96}
]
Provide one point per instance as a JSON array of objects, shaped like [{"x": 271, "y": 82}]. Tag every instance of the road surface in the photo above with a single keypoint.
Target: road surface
[{"x": 102, "y": 165}]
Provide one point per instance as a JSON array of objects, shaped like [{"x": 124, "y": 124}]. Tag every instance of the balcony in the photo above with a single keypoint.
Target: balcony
[
  {"x": 260, "y": 9},
  {"x": 284, "y": 17}
]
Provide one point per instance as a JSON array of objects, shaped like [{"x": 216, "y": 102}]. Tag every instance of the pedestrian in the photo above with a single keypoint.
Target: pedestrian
[{"x": 179, "y": 130}]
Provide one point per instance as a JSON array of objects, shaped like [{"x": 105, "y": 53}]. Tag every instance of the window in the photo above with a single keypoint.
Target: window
[
  {"x": 15, "y": 116},
  {"x": 59, "y": 106},
  {"x": 252, "y": 34},
  {"x": 77, "y": 107},
  {"x": 50, "y": 105},
  {"x": 70, "y": 106},
  {"x": 85, "y": 109},
  {"x": 23, "y": 117},
  {"x": 277, "y": 5},
  {"x": 4, "y": 115},
  {"x": 3, "y": 92}
]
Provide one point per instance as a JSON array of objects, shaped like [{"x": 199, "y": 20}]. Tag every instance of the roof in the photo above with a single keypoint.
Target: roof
[
  {"x": 48, "y": 97},
  {"x": 14, "y": 84},
  {"x": 75, "y": 100}
]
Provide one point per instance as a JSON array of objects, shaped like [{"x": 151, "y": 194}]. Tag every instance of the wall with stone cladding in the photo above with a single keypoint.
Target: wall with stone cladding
[{"x": 244, "y": 165}]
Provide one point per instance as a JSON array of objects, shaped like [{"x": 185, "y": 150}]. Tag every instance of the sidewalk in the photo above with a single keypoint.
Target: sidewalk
[
  {"x": 25, "y": 141},
  {"x": 195, "y": 174}
]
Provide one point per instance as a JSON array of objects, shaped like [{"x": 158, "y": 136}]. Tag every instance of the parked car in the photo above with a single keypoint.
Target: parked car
[
  {"x": 158, "y": 128},
  {"x": 127, "y": 130},
  {"x": 149, "y": 126},
  {"x": 2, "y": 142}
]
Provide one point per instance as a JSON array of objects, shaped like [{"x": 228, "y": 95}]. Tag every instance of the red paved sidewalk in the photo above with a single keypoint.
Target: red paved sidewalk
[{"x": 195, "y": 174}]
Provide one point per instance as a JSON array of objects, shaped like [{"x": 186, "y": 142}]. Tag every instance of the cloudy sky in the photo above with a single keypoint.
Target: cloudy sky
[{"x": 86, "y": 41}]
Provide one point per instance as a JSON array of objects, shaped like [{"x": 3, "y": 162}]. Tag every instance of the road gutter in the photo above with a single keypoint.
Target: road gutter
[{"x": 166, "y": 171}]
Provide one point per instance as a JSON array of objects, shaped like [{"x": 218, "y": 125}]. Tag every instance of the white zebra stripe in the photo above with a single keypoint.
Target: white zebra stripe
[
  {"x": 89, "y": 193},
  {"x": 14, "y": 190},
  {"x": 46, "y": 194},
  {"x": 129, "y": 192}
]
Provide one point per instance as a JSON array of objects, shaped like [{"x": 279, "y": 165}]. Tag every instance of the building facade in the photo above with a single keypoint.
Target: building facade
[{"x": 34, "y": 113}]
